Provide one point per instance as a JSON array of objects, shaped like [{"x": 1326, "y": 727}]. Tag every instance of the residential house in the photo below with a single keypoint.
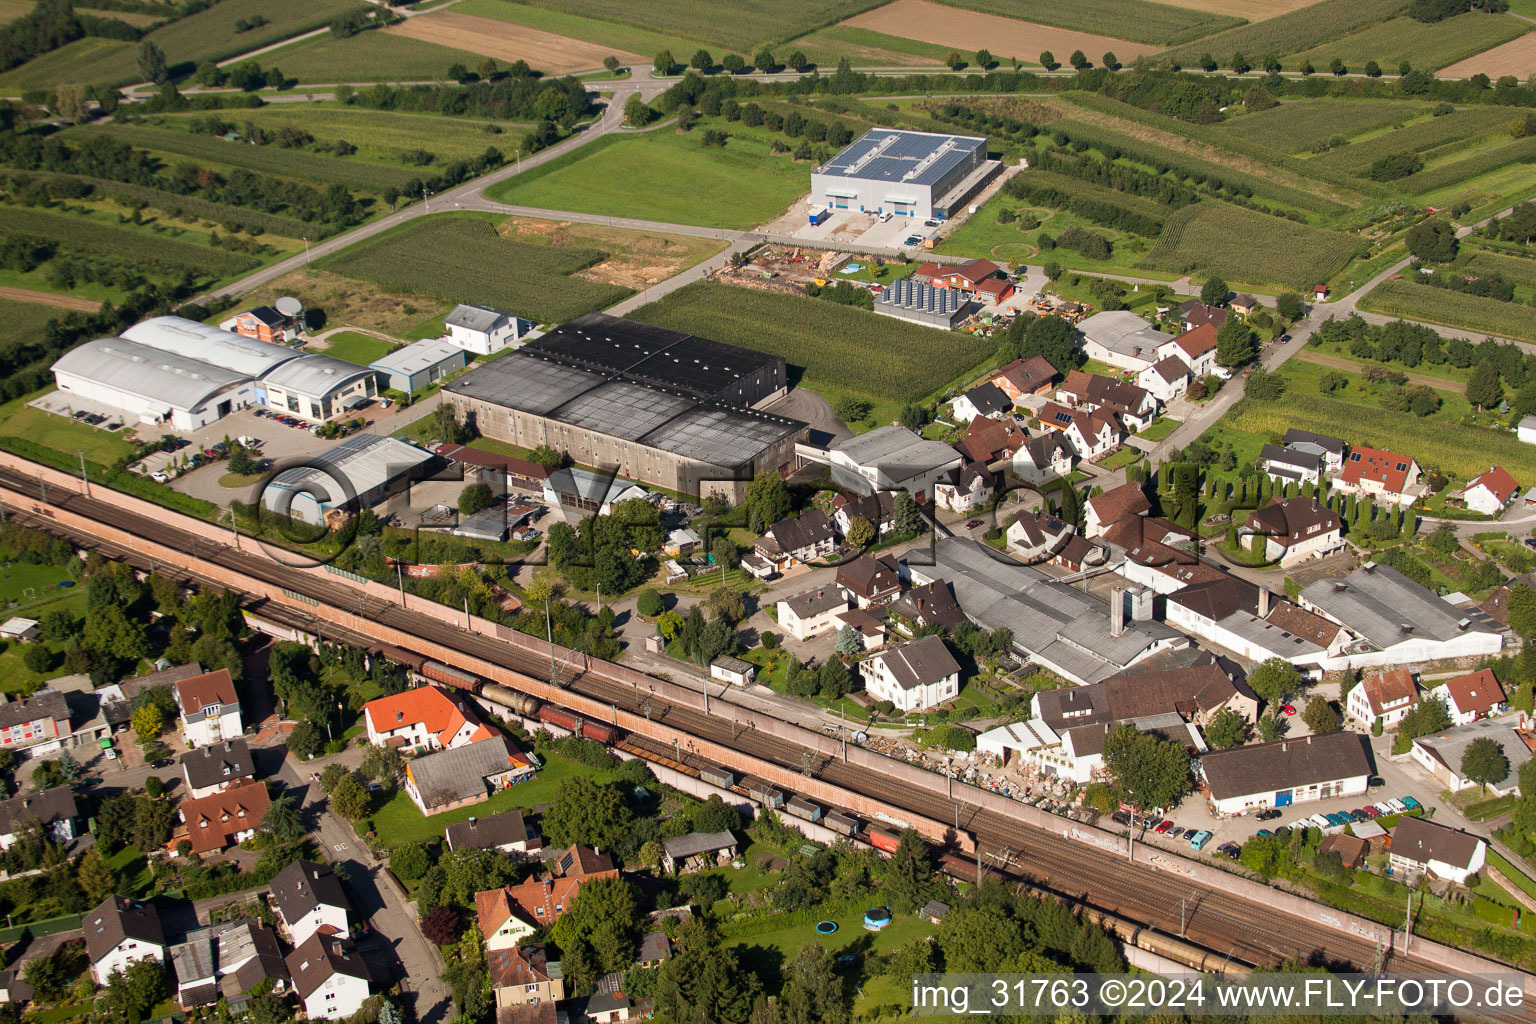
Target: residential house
[
  {"x": 1091, "y": 392},
  {"x": 540, "y": 901},
  {"x": 1384, "y": 697},
  {"x": 35, "y": 725},
  {"x": 655, "y": 950},
  {"x": 505, "y": 832},
  {"x": 1420, "y": 847},
  {"x": 987, "y": 441},
  {"x": 811, "y": 613},
  {"x": 1244, "y": 304},
  {"x": 918, "y": 674},
  {"x": 870, "y": 627},
  {"x": 1330, "y": 449},
  {"x": 1160, "y": 555},
  {"x": 608, "y": 1004},
  {"x": 1091, "y": 433},
  {"x": 217, "y": 766},
  {"x": 1031, "y": 376},
  {"x": 330, "y": 977},
  {"x": 1196, "y": 348},
  {"x": 965, "y": 277},
  {"x": 697, "y": 851},
  {"x": 1240, "y": 617},
  {"x": 1195, "y": 314},
  {"x": 1380, "y": 475},
  {"x": 483, "y": 330},
  {"x": 225, "y": 818},
  {"x": 928, "y": 604},
  {"x": 1471, "y": 697},
  {"x": 1526, "y": 430},
  {"x": 1294, "y": 530},
  {"x": 53, "y": 810},
  {"x": 228, "y": 961},
  {"x": 890, "y": 458},
  {"x": 464, "y": 775},
  {"x": 986, "y": 400},
  {"x": 1394, "y": 621},
  {"x": 1166, "y": 379},
  {"x": 967, "y": 488},
  {"x": 422, "y": 720},
  {"x": 266, "y": 324},
  {"x": 870, "y": 582},
  {"x": 1116, "y": 505},
  {"x": 1288, "y": 465},
  {"x": 1286, "y": 772},
  {"x": 878, "y": 509},
  {"x": 1440, "y": 754},
  {"x": 120, "y": 931},
  {"x": 1045, "y": 457},
  {"x": 733, "y": 670},
  {"x": 1035, "y": 536},
  {"x": 498, "y": 915},
  {"x": 808, "y": 537},
  {"x": 308, "y": 898},
  {"x": 524, "y": 975},
  {"x": 210, "y": 710},
  {"x": 1351, "y": 849},
  {"x": 1490, "y": 492},
  {"x": 1121, "y": 338}
]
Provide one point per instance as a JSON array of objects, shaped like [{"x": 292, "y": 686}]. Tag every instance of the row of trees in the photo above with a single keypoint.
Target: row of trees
[{"x": 702, "y": 62}]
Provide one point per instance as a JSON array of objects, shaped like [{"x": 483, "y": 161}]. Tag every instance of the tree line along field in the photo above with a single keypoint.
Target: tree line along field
[
  {"x": 1424, "y": 45},
  {"x": 738, "y": 186},
  {"x": 462, "y": 258},
  {"x": 1452, "y": 309},
  {"x": 833, "y": 345},
  {"x": 1291, "y": 32},
  {"x": 1254, "y": 248},
  {"x": 738, "y": 25}
]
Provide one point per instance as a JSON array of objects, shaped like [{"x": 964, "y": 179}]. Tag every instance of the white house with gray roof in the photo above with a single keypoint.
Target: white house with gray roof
[
  {"x": 1121, "y": 338},
  {"x": 1440, "y": 754},
  {"x": 1398, "y": 622},
  {"x": 891, "y": 458},
  {"x": 812, "y": 612},
  {"x": 920, "y": 674},
  {"x": 483, "y": 330}
]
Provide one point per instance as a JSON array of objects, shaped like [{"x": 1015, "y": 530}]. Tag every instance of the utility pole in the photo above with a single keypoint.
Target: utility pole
[
  {"x": 1183, "y": 920},
  {"x": 549, "y": 633},
  {"x": 400, "y": 575},
  {"x": 85, "y": 481}
]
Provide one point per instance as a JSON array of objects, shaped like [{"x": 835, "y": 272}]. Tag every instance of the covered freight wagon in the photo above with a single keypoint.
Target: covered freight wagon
[
  {"x": 561, "y": 719},
  {"x": 766, "y": 795},
  {"x": 722, "y": 777},
  {"x": 839, "y": 822},
  {"x": 883, "y": 840},
  {"x": 602, "y": 732},
  {"x": 450, "y": 676},
  {"x": 800, "y": 807}
]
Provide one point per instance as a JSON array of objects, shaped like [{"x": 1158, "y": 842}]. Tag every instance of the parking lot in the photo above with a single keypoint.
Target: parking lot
[{"x": 852, "y": 228}]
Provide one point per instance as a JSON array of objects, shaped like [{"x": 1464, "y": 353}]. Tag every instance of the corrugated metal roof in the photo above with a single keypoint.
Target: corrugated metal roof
[
  {"x": 160, "y": 376},
  {"x": 418, "y": 356},
  {"x": 316, "y": 376},
  {"x": 208, "y": 344}
]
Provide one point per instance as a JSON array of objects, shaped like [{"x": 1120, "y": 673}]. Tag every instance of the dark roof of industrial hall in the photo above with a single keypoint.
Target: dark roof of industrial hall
[
  {"x": 611, "y": 344},
  {"x": 893, "y": 155},
  {"x": 1285, "y": 764}
]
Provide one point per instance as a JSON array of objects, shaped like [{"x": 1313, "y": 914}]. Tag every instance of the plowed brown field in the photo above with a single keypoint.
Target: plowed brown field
[
  {"x": 1005, "y": 37},
  {"x": 1516, "y": 57},
  {"x": 545, "y": 51}
]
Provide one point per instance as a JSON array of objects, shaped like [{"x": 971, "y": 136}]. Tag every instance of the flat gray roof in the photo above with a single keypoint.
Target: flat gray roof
[
  {"x": 418, "y": 356},
  {"x": 1377, "y": 602},
  {"x": 1448, "y": 746},
  {"x": 1122, "y": 331},
  {"x": 897, "y": 447},
  {"x": 365, "y": 460},
  {"x": 893, "y": 155},
  {"x": 157, "y": 375}
]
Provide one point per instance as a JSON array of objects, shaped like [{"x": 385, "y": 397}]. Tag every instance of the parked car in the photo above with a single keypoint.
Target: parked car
[
  {"x": 1230, "y": 849},
  {"x": 1176, "y": 832},
  {"x": 159, "y": 477},
  {"x": 1199, "y": 839},
  {"x": 1148, "y": 823},
  {"x": 1269, "y": 815},
  {"x": 1163, "y": 827},
  {"x": 1410, "y": 803},
  {"x": 912, "y": 240},
  {"x": 930, "y": 223},
  {"x": 973, "y": 524},
  {"x": 1120, "y": 818},
  {"x": 1398, "y": 807},
  {"x": 80, "y": 414},
  {"x": 1263, "y": 832},
  {"x": 1371, "y": 811},
  {"x": 164, "y": 762}
]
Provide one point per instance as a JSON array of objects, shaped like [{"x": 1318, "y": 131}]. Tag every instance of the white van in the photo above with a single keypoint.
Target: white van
[{"x": 885, "y": 215}]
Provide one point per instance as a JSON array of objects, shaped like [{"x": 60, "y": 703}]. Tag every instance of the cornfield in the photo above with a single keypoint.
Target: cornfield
[
  {"x": 463, "y": 259},
  {"x": 1453, "y": 309},
  {"x": 829, "y": 343},
  {"x": 1254, "y": 248}
]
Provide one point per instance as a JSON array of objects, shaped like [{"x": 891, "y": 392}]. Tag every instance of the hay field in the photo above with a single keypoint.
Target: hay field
[
  {"x": 969, "y": 31},
  {"x": 489, "y": 37},
  {"x": 1516, "y": 57}
]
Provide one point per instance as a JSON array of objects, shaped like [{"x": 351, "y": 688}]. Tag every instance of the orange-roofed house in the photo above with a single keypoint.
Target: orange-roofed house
[
  {"x": 1472, "y": 696},
  {"x": 966, "y": 277},
  {"x": 1380, "y": 474},
  {"x": 425, "y": 719},
  {"x": 1383, "y": 698},
  {"x": 225, "y": 818},
  {"x": 1490, "y": 492},
  {"x": 500, "y": 926},
  {"x": 210, "y": 710},
  {"x": 513, "y": 911},
  {"x": 1196, "y": 347}
]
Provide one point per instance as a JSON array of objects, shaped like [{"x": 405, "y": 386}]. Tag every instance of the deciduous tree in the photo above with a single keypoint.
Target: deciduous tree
[{"x": 1485, "y": 763}]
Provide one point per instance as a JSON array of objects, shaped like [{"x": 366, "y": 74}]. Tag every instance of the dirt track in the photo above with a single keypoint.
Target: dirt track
[
  {"x": 1005, "y": 37},
  {"x": 1350, "y": 366},
  {"x": 1516, "y": 57},
  {"x": 507, "y": 42},
  {"x": 49, "y": 299}
]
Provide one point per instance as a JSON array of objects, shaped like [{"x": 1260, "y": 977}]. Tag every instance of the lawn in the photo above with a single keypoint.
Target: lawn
[
  {"x": 369, "y": 57},
  {"x": 770, "y": 949},
  {"x": 63, "y": 434},
  {"x": 1295, "y": 125},
  {"x": 132, "y": 869},
  {"x": 462, "y": 258},
  {"x": 399, "y": 821},
  {"x": 738, "y": 186},
  {"x": 1120, "y": 458},
  {"x": 361, "y": 349},
  {"x": 825, "y": 343},
  {"x": 1452, "y": 309},
  {"x": 737, "y": 25},
  {"x": 1215, "y": 237},
  {"x": 1159, "y": 429},
  {"x": 1424, "y": 45}
]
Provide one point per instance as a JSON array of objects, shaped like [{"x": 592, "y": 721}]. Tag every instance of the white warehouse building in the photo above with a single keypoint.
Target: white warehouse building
[
  {"x": 910, "y": 174},
  {"x": 180, "y": 373}
]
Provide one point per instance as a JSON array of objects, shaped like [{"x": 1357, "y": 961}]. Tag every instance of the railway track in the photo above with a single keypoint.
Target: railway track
[{"x": 1248, "y": 932}]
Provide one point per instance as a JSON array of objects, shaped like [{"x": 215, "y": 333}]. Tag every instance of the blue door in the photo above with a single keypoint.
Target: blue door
[{"x": 1283, "y": 798}]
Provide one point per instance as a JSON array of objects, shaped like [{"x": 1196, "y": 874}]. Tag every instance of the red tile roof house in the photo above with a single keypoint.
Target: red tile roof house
[
  {"x": 966, "y": 277},
  {"x": 1092, "y": 433},
  {"x": 1472, "y": 696},
  {"x": 1197, "y": 347},
  {"x": 1385, "y": 697},
  {"x": 1114, "y": 506},
  {"x": 425, "y": 719},
  {"x": 224, "y": 819},
  {"x": 1091, "y": 391},
  {"x": 210, "y": 710},
  {"x": 1032, "y": 376},
  {"x": 1490, "y": 492},
  {"x": 1380, "y": 474}
]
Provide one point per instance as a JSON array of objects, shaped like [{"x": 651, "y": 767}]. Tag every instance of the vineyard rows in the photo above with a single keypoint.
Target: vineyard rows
[
  {"x": 1254, "y": 248},
  {"x": 1292, "y": 32},
  {"x": 130, "y": 246},
  {"x": 1453, "y": 309}
]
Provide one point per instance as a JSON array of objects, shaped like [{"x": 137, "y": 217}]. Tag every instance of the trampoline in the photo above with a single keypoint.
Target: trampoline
[
  {"x": 826, "y": 927},
  {"x": 876, "y": 918}
]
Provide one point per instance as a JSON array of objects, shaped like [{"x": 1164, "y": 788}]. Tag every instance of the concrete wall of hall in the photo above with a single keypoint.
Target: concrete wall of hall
[{"x": 814, "y": 789}]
